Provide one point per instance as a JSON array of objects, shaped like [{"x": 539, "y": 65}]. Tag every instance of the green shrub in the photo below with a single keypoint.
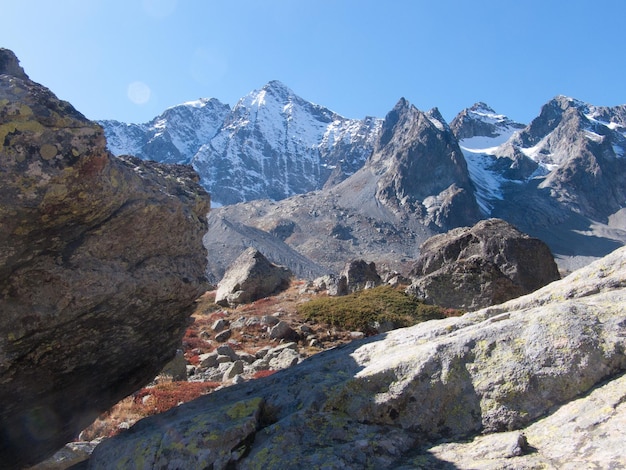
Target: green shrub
[{"x": 362, "y": 310}]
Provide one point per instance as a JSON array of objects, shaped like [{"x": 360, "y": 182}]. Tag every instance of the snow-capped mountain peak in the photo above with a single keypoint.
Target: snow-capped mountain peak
[
  {"x": 274, "y": 144},
  {"x": 480, "y": 127},
  {"x": 484, "y": 111},
  {"x": 437, "y": 119},
  {"x": 271, "y": 144}
]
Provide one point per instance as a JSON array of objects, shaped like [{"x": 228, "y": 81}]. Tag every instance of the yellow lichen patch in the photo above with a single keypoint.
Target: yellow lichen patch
[
  {"x": 55, "y": 191},
  {"x": 21, "y": 231},
  {"x": 25, "y": 111},
  {"x": 26, "y": 126},
  {"x": 48, "y": 151},
  {"x": 243, "y": 409}
]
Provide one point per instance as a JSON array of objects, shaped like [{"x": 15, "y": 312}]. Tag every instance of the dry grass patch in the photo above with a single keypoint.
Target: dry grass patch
[
  {"x": 363, "y": 310},
  {"x": 145, "y": 402}
]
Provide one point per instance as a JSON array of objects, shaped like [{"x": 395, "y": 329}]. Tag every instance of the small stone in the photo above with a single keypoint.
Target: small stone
[
  {"x": 250, "y": 277},
  {"x": 273, "y": 352},
  {"x": 282, "y": 330},
  {"x": 261, "y": 353},
  {"x": 222, "y": 358},
  {"x": 220, "y": 325},
  {"x": 223, "y": 336},
  {"x": 247, "y": 358},
  {"x": 269, "y": 320},
  {"x": 227, "y": 350},
  {"x": 252, "y": 321},
  {"x": 260, "y": 364},
  {"x": 305, "y": 329},
  {"x": 518, "y": 447},
  {"x": 239, "y": 323},
  {"x": 235, "y": 369},
  {"x": 208, "y": 360},
  {"x": 287, "y": 358}
]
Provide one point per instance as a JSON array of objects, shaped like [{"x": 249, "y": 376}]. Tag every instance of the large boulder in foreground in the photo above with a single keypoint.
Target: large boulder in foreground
[
  {"x": 251, "y": 276},
  {"x": 386, "y": 401},
  {"x": 101, "y": 260},
  {"x": 487, "y": 264}
]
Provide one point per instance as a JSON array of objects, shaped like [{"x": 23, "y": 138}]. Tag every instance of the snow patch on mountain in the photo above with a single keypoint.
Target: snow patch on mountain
[
  {"x": 124, "y": 139},
  {"x": 488, "y": 182},
  {"x": 539, "y": 153},
  {"x": 482, "y": 131},
  {"x": 488, "y": 144}
]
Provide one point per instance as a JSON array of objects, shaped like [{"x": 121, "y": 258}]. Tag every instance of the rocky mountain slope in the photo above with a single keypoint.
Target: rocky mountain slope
[
  {"x": 561, "y": 178},
  {"x": 421, "y": 180},
  {"x": 101, "y": 261},
  {"x": 381, "y": 213},
  {"x": 173, "y": 137},
  {"x": 484, "y": 390}
]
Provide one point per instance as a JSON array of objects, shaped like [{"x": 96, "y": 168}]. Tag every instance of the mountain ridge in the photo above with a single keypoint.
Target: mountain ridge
[{"x": 560, "y": 178}]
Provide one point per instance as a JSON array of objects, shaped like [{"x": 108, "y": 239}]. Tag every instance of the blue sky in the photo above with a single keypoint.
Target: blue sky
[{"x": 130, "y": 59}]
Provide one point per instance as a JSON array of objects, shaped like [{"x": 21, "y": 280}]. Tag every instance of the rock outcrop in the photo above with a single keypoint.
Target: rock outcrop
[
  {"x": 359, "y": 275},
  {"x": 252, "y": 276},
  {"x": 479, "y": 266},
  {"x": 100, "y": 261},
  {"x": 386, "y": 401}
]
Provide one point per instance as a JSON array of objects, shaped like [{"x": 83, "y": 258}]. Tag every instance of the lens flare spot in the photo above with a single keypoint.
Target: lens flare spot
[{"x": 139, "y": 92}]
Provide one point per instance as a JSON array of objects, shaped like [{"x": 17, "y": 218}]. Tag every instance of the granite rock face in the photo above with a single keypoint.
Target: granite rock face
[
  {"x": 479, "y": 266},
  {"x": 386, "y": 401},
  {"x": 100, "y": 261},
  {"x": 591, "y": 432}
]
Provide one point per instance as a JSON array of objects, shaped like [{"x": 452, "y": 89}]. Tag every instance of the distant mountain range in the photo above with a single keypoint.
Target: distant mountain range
[
  {"x": 321, "y": 189},
  {"x": 272, "y": 144}
]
